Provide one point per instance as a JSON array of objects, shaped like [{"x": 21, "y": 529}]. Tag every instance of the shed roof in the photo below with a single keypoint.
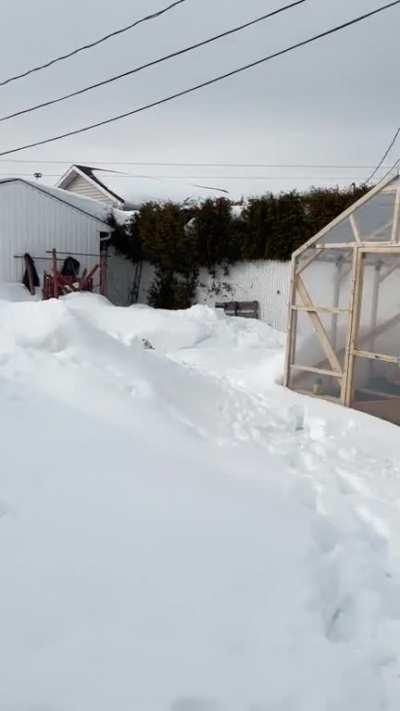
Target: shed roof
[{"x": 91, "y": 208}]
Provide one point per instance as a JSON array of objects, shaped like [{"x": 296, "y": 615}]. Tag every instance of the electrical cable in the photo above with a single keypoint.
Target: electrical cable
[
  {"x": 89, "y": 45},
  {"x": 202, "y": 85},
  {"x": 385, "y": 155},
  {"x": 99, "y": 163},
  {"x": 152, "y": 63}
]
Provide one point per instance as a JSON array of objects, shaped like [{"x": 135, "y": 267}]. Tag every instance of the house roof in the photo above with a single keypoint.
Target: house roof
[{"x": 131, "y": 191}]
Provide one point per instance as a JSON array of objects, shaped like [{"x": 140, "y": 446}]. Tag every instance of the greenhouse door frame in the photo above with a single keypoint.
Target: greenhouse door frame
[
  {"x": 361, "y": 254},
  {"x": 345, "y": 373}
]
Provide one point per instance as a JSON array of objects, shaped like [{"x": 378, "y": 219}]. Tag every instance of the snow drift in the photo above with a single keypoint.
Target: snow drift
[{"x": 177, "y": 532}]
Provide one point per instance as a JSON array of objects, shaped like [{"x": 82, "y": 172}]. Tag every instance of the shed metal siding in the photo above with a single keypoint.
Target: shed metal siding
[
  {"x": 81, "y": 186},
  {"x": 31, "y": 221}
]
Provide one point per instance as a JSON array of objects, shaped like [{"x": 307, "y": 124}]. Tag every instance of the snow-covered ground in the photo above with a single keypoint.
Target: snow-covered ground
[{"x": 180, "y": 533}]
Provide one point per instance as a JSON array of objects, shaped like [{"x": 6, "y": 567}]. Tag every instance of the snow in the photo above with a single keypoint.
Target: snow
[
  {"x": 136, "y": 190},
  {"x": 180, "y": 533}
]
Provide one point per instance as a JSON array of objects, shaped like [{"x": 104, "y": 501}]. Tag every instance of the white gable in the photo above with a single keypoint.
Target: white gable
[{"x": 81, "y": 185}]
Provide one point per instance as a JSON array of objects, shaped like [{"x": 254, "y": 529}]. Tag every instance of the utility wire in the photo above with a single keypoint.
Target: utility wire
[
  {"x": 99, "y": 163},
  {"x": 210, "y": 177},
  {"x": 210, "y": 82},
  {"x": 95, "y": 43},
  {"x": 385, "y": 155},
  {"x": 394, "y": 167},
  {"x": 152, "y": 63}
]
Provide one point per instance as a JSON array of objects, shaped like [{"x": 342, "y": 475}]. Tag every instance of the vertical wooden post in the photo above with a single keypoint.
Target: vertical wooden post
[
  {"x": 355, "y": 312},
  {"x": 291, "y": 333},
  {"x": 396, "y": 217},
  {"x": 55, "y": 279},
  {"x": 374, "y": 310},
  {"x": 336, "y": 295}
]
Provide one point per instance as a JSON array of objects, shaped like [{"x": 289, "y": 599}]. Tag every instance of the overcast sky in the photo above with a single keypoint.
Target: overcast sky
[{"x": 335, "y": 102}]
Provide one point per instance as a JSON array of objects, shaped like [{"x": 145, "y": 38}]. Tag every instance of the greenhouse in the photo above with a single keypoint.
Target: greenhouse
[{"x": 344, "y": 310}]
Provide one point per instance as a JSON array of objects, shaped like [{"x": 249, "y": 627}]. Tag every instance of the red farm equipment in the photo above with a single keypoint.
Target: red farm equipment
[{"x": 67, "y": 279}]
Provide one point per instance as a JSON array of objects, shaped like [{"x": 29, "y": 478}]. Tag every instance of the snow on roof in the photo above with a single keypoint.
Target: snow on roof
[
  {"x": 93, "y": 208},
  {"x": 136, "y": 190}
]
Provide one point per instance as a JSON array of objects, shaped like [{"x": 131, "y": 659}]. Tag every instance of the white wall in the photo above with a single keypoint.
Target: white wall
[
  {"x": 263, "y": 281},
  {"x": 146, "y": 282},
  {"x": 32, "y": 221},
  {"x": 120, "y": 278}
]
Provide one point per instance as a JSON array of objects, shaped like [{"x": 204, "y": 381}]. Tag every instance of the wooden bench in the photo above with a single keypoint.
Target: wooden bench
[{"x": 245, "y": 309}]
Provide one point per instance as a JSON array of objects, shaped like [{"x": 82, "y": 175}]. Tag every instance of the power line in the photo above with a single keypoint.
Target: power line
[
  {"x": 89, "y": 45},
  {"x": 189, "y": 165},
  {"x": 213, "y": 177},
  {"x": 391, "y": 169},
  {"x": 385, "y": 155},
  {"x": 152, "y": 63},
  {"x": 197, "y": 87}
]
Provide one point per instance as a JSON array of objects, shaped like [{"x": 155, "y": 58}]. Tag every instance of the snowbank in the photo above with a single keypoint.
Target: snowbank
[
  {"x": 16, "y": 292},
  {"x": 177, "y": 532}
]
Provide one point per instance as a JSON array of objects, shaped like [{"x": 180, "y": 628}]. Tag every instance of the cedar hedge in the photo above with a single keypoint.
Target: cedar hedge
[{"x": 178, "y": 239}]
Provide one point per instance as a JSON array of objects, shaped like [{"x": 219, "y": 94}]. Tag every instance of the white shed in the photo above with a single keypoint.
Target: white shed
[{"x": 35, "y": 218}]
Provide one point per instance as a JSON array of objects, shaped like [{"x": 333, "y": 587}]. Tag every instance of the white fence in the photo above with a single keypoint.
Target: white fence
[{"x": 264, "y": 281}]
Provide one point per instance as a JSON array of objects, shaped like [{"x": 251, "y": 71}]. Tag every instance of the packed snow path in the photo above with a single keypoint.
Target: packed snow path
[{"x": 180, "y": 533}]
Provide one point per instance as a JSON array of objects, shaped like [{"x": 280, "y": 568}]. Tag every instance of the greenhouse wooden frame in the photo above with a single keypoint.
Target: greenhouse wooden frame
[{"x": 343, "y": 339}]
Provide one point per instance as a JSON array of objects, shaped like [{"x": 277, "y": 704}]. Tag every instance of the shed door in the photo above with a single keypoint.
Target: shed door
[{"x": 375, "y": 363}]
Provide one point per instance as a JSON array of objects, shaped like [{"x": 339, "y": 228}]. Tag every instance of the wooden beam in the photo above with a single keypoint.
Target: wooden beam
[
  {"x": 380, "y": 248},
  {"x": 356, "y": 292},
  {"x": 318, "y": 327},
  {"x": 292, "y": 320},
  {"x": 336, "y": 299},
  {"x": 368, "y": 246},
  {"x": 354, "y": 227},
  {"x": 375, "y": 303},
  {"x": 396, "y": 217},
  {"x": 376, "y": 356},
  {"x": 307, "y": 262},
  {"x": 335, "y": 245},
  {"x": 318, "y": 371},
  {"x": 323, "y": 309}
]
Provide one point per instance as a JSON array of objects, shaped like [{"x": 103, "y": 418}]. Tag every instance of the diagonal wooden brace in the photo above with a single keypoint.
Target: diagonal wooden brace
[{"x": 319, "y": 327}]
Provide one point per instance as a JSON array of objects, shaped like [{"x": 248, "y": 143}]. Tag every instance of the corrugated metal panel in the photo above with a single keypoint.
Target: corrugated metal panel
[
  {"x": 120, "y": 277},
  {"x": 264, "y": 281},
  {"x": 32, "y": 221},
  {"x": 81, "y": 186}
]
